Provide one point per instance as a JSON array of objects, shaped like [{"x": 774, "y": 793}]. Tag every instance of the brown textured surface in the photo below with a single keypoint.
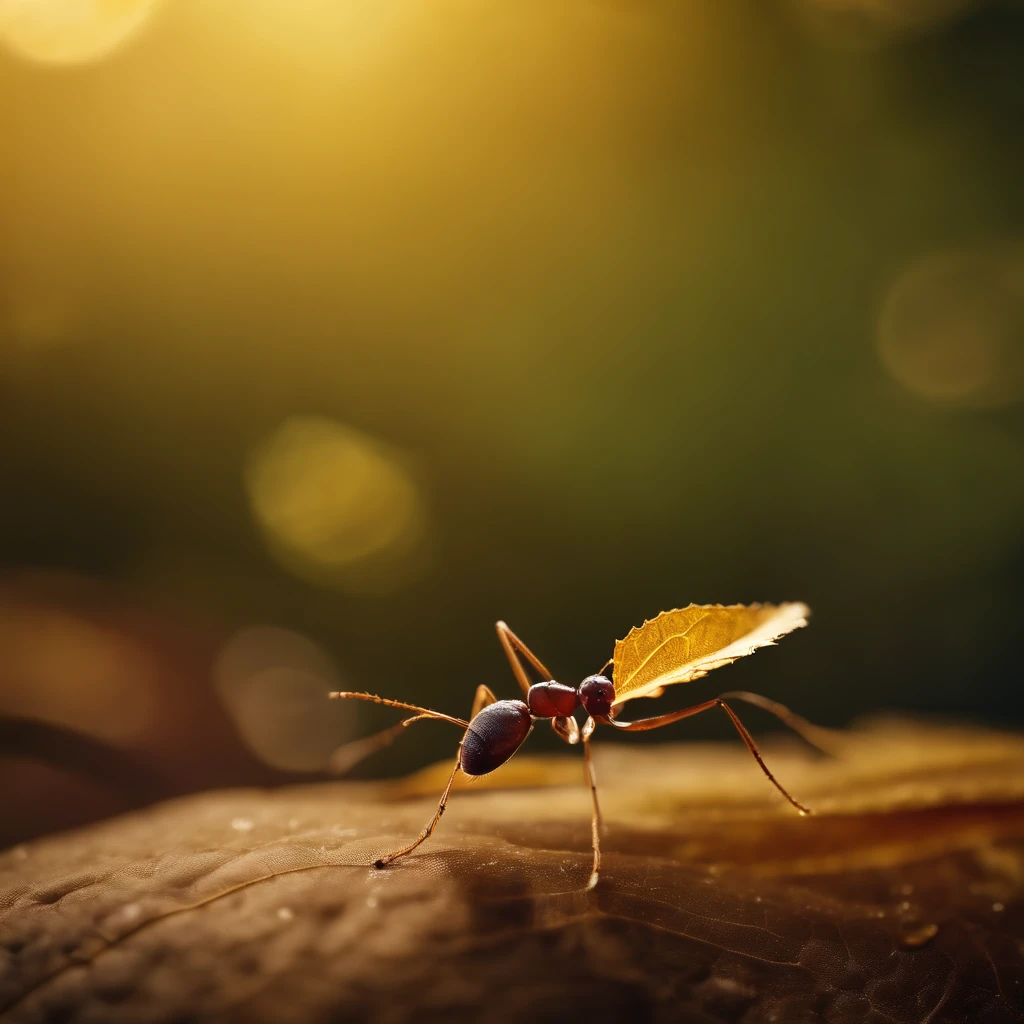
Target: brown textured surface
[{"x": 901, "y": 901}]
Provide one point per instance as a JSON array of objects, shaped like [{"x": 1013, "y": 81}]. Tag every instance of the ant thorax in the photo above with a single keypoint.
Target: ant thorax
[
  {"x": 552, "y": 700},
  {"x": 556, "y": 700}
]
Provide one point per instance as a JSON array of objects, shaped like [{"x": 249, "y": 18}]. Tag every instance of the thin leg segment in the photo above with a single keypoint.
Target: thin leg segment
[
  {"x": 566, "y": 729},
  {"x": 421, "y": 712},
  {"x": 595, "y": 820},
  {"x": 645, "y": 724},
  {"x": 511, "y": 645},
  {"x": 826, "y": 740},
  {"x": 383, "y": 862},
  {"x": 346, "y": 757},
  {"x": 484, "y": 698}
]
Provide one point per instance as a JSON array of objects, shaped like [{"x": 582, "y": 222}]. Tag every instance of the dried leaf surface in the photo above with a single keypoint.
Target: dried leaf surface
[
  {"x": 687, "y": 643},
  {"x": 901, "y": 900}
]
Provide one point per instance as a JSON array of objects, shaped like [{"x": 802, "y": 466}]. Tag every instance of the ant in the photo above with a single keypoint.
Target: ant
[{"x": 498, "y": 728}]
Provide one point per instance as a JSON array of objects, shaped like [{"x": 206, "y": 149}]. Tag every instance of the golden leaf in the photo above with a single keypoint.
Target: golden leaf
[{"x": 687, "y": 643}]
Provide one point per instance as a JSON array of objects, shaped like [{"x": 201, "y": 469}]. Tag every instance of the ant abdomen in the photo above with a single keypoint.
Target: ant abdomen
[
  {"x": 494, "y": 735},
  {"x": 552, "y": 700}
]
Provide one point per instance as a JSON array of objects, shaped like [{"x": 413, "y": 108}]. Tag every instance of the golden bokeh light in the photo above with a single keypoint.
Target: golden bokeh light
[
  {"x": 952, "y": 327},
  {"x": 274, "y": 684},
  {"x": 337, "y": 507},
  {"x": 70, "y": 31},
  {"x": 316, "y": 28}
]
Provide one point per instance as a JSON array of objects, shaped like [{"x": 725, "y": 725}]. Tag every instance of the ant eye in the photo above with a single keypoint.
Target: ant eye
[{"x": 597, "y": 694}]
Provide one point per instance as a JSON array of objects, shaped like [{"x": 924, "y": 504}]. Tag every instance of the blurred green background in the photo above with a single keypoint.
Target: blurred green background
[{"x": 332, "y": 332}]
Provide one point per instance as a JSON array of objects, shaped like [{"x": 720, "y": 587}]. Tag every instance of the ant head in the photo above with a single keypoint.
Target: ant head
[{"x": 597, "y": 694}]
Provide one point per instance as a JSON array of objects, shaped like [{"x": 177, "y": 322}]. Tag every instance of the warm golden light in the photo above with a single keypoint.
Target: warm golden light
[
  {"x": 952, "y": 327},
  {"x": 274, "y": 684},
  {"x": 334, "y": 503},
  {"x": 316, "y": 28},
  {"x": 36, "y": 320},
  {"x": 70, "y": 31}
]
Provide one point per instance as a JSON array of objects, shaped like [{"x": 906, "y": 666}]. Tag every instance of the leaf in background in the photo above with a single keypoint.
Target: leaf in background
[
  {"x": 901, "y": 901},
  {"x": 687, "y": 643}
]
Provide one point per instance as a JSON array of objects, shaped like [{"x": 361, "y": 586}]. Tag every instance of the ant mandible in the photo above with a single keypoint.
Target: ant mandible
[{"x": 498, "y": 728}]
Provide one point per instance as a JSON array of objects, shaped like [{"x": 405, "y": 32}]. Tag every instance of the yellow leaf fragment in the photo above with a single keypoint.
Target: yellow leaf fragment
[{"x": 687, "y": 643}]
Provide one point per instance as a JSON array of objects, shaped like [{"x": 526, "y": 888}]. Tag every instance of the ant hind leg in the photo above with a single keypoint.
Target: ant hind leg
[
  {"x": 383, "y": 862},
  {"x": 595, "y": 819}
]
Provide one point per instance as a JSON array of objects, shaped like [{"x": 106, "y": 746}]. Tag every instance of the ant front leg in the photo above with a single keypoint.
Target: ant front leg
[{"x": 644, "y": 724}]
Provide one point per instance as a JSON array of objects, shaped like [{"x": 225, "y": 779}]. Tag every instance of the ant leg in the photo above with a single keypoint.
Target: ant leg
[
  {"x": 566, "y": 729},
  {"x": 484, "y": 698},
  {"x": 644, "y": 724},
  {"x": 384, "y": 861},
  {"x": 347, "y": 756},
  {"x": 826, "y": 740},
  {"x": 421, "y": 712},
  {"x": 511, "y": 645},
  {"x": 595, "y": 820}
]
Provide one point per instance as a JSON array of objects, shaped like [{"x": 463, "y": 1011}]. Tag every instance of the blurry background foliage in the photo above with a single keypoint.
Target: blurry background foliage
[{"x": 331, "y": 332}]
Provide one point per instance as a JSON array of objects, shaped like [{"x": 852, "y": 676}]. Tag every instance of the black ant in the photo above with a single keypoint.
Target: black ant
[{"x": 498, "y": 728}]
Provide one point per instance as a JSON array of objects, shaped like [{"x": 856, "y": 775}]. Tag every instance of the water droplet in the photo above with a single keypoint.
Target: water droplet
[
  {"x": 242, "y": 824},
  {"x": 904, "y": 907},
  {"x": 998, "y": 907},
  {"x": 285, "y": 913}
]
